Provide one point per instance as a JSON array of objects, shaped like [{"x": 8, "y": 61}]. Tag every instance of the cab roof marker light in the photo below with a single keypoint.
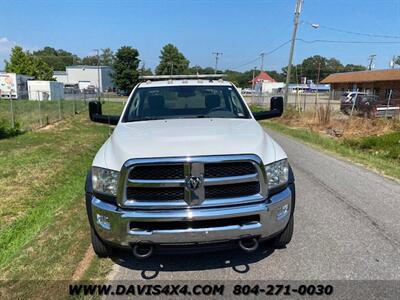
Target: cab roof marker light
[{"x": 171, "y": 77}]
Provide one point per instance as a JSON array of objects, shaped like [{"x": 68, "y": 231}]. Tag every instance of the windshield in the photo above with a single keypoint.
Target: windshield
[{"x": 176, "y": 102}]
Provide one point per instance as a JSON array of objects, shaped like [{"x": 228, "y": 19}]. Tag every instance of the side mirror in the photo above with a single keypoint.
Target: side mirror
[
  {"x": 275, "y": 111},
  {"x": 96, "y": 115}
]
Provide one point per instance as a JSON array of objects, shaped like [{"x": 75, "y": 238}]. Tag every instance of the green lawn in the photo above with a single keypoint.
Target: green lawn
[
  {"x": 30, "y": 115},
  {"x": 43, "y": 223},
  {"x": 33, "y": 114},
  {"x": 380, "y": 153}
]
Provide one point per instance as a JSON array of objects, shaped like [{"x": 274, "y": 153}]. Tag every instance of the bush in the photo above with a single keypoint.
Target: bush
[
  {"x": 7, "y": 131},
  {"x": 387, "y": 145},
  {"x": 290, "y": 112}
]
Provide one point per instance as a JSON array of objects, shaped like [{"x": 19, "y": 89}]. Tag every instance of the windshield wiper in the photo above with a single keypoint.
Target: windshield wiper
[
  {"x": 146, "y": 119},
  {"x": 194, "y": 117}
]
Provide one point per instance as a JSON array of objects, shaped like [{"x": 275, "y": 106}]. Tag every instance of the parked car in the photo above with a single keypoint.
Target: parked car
[
  {"x": 188, "y": 164},
  {"x": 347, "y": 100},
  {"x": 367, "y": 104},
  {"x": 245, "y": 92}
]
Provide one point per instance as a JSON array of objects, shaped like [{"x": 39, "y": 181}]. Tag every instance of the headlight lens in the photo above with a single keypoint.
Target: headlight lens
[
  {"x": 105, "y": 181},
  {"x": 277, "y": 173}
]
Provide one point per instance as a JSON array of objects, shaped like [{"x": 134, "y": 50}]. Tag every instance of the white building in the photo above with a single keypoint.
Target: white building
[
  {"x": 61, "y": 76},
  {"x": 45, "y": 90},
  {"x": 86, "y": 76},
  {"x": 264, "y": 83}
]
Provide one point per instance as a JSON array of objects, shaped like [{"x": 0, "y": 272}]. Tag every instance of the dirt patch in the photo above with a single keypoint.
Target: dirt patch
[
  {"x": 83, "y": 264},
  {"x": 47, "y": 127}
]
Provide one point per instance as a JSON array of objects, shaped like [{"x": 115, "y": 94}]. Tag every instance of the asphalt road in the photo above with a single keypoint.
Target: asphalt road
[{"x": 347, "y": 226}]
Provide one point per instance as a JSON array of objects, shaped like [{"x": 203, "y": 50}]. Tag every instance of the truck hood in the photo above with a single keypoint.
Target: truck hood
[{"x": 186, "y": 137}]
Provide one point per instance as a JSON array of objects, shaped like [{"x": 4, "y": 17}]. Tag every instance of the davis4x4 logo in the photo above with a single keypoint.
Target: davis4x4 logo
[{"x": 148, "y": 289}]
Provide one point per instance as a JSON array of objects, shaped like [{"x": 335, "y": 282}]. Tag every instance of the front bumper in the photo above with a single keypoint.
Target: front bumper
[{"x": 113, "y": 224}]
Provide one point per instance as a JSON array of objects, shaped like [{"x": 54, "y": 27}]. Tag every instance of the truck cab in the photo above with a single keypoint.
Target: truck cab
[{"x": 188, "y": 164}]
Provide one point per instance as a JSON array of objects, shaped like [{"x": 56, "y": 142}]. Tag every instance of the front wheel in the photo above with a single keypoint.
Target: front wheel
[
  {"x": 99, "y": 247},
  {"x": 285, "y": 236}
]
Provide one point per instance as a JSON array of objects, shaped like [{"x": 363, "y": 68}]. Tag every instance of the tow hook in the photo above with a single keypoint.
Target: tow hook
[
  {"x": 248, "y": 244},
  {"x": 142, "y": 250}
]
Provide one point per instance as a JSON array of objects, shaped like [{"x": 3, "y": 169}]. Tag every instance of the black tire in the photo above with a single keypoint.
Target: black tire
[
  {"x": 99, "y": 247},
  {"x": 285, "y": 236}
]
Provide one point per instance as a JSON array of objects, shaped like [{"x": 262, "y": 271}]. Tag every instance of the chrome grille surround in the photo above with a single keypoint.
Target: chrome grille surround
[{"x": 193, "y": 167}]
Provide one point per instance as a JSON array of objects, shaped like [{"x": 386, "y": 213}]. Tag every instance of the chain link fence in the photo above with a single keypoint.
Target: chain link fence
[
  {"x": 32, "y": 114},
  {"x": 26, "y": 115},
  {"x": 302, "y": 101}
]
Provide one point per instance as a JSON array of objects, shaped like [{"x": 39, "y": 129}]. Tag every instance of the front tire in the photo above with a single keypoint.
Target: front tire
[
  {"x": 285, "y": 236},
  {"x": 99, "y": 247}
]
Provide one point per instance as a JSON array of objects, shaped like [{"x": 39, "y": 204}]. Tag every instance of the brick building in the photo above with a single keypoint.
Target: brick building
[{"x": 376, "y": 82}]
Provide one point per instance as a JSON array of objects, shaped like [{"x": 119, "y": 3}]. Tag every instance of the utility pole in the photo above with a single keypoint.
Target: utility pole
[
  {"x": 98, "y": 73},
  {"x": 392, "y": 62},
  {"x": 252, "y": 85},
  {"x": 297, "y": 12},
  {"x": 316, "y": 94},
  {"x": 217, "y": 54},
  {"x": 371, "y": 59},
  {"x": 262, "y": 61}
]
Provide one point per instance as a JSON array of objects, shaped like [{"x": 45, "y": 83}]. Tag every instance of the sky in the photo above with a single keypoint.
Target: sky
[{"x": 241, "y": 30}]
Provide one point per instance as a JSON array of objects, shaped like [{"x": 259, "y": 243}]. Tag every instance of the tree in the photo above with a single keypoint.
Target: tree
[
  {"x": 309, "y": 68},
  {"x": 279, "y": 77},
  {"x": 354, "y": 68},
  {"x": 293, "y": 77},
  {"x": 91, "y": 60},
  {"x": 199, "y": 70},
  {"x": 40, "y": 70},
  {"x": 126, "y": 64},
  {"x": 107, "y": 57},
  {"x": 172, "y": 61},
  {"x": 58, "y": 60},
  {"x": 25, "y": 63},
  {"x": 19, "y": 62},
  {"x": 145, "y": 71}
]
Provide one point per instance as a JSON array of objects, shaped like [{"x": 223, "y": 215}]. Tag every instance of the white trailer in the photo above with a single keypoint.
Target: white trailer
[
  {"x": 14, "y": 84},
  {"x": 45, "y": 90}
]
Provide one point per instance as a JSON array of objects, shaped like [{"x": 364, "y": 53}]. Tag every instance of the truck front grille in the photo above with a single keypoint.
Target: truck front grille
[
  {"x": 228, "y": 169},
  {"x": 194, "y": 224},
  {"x": 155, "y": 194},
  {"x": 232, "y": 190},
  {"x": 165, "y": 183},
  {"x": 157, "y": 172}
]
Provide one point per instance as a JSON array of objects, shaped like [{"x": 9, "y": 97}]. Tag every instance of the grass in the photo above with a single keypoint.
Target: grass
[
  {"x": 385, "y": 146},
  {"x": 34, "y": 114},
  {"x": 44, "y": 231},
  {"x": 380, "y": 153},
  {"x": 256, "y": 108}
]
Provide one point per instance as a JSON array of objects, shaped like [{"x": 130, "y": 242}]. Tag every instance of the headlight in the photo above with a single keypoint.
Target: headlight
[
  {"x": 277, "y": 173},
  {"x": 105, "y": 181}
]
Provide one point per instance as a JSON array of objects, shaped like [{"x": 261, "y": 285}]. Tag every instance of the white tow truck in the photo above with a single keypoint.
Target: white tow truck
[{"x": 188, "y": 165}]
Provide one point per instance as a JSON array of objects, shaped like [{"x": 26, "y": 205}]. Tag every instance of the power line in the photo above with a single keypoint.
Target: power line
[
  {"x": 354, "y": 32},
  {"x": 346, "y": 42},
  {"x": 258, "y": 57},
  {"x": 312, "y": 42},
  {"x": 245, "y": 64}
]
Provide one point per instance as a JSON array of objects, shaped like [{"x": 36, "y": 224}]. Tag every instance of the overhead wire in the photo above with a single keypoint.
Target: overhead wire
[{"x": 352, "y": 32}]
